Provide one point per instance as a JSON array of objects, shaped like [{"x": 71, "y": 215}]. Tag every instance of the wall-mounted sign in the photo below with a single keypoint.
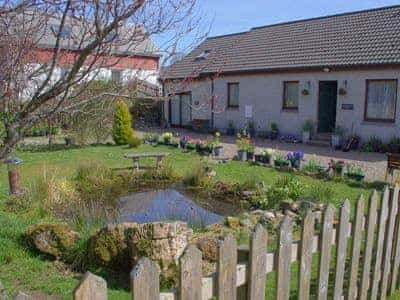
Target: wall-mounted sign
[
  {"x": 347, "y": 106},
  {"x": 248, "y": 111}
]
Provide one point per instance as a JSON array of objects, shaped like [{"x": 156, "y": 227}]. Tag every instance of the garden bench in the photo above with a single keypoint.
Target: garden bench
[
  {"x": 137, "y": 156},
  {"x": 393, "y": 163}
]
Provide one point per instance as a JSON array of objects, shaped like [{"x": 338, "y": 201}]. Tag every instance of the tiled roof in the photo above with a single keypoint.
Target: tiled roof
[
  {"x": 363, "y": 38},
  {"x": 130, "y": 39}
]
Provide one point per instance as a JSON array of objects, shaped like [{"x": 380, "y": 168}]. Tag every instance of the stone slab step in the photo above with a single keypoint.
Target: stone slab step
[{"x": 320, "y": 143}]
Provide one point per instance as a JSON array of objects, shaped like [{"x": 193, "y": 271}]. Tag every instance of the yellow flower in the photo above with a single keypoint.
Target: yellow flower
[{"x": 217, "y": 134}]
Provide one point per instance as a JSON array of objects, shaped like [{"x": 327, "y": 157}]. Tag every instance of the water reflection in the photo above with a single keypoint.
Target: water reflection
[{"x": 162, "y": 205}]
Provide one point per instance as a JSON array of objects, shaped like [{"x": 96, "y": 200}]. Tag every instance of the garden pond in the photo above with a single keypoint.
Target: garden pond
[{"x": 173, "y": 205}]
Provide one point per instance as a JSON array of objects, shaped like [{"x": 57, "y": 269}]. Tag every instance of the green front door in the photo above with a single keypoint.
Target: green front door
[{"x": 327, "y": 106}]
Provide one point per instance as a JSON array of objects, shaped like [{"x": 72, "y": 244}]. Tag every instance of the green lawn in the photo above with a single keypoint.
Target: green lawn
[{"x": 21, "y": 269}]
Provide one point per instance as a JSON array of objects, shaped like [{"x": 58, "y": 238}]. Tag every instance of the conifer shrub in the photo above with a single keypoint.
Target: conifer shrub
[{"x": 122, "y": 126}]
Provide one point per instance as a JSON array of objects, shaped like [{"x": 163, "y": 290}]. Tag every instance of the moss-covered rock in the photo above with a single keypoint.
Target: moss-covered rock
[
  {"x": 232, "y": 222},
  {"x": 109, "y": 246},
  {"x": 55, "y": 239}
]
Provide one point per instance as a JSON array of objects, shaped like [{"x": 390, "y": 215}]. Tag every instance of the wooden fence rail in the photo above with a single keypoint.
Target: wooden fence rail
[{"x": 365, "y": 266}]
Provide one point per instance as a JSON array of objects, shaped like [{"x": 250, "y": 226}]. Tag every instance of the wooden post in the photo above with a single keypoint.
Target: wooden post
[
  {"x": 226, "y": 269},
  {"x": 145, "y": 280},
  {"x": 325, "y": 256},
  {"x": 257, "y": 264},
  {"x": 92, "y": 287},
  {"x": 376, "y": 279},
  {"x": 369, "y": 244},
  {"x": 396, "y": 256},
  {"x": 190, "y": 274},
  {"x": 342, "y": 241},
  {"x": 389, "y": 244},
  {"x": 306, "y": 246},
  {"x": 356, "y": 250},
  {"x": 283, "y": 260}
]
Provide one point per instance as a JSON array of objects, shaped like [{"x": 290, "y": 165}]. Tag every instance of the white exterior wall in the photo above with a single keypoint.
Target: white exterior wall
[
  {"x": 201, "y": 97},
  {"x": 100, "y": 74},
  {"x": 264, "y": 92}
]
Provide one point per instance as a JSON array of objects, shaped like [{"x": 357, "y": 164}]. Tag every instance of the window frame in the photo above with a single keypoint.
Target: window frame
[
  {"x": 120, "y": 76},
  {"x": 284, "y": 106},
  {"x": 380, "y": 120},
  {"x": 229, "y": 105}
]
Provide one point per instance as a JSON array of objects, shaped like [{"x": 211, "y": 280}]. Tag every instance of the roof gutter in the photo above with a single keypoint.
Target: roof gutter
[{"x": 320, "y": 68}]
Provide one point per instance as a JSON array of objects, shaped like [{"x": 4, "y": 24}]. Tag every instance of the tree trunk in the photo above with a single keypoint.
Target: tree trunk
[
  {"x": 10, "y": 141},
  {"x": 50, "y": 127}
]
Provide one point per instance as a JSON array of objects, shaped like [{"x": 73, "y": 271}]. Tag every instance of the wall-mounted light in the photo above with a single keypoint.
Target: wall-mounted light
[
  {"x": 343, "y": 88},
  {"x": 326, "y": 70}
]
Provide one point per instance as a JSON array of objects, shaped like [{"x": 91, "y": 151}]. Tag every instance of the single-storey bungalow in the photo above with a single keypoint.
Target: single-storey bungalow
[{"x": 338, "y": 71}]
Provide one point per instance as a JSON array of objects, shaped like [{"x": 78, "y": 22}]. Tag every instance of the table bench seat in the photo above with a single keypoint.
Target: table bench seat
[{"x": 137, "y": 156}]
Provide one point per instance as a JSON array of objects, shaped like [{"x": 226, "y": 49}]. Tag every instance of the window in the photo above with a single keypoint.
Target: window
[
  {"x": 64, "y": 72},
  {"x": 233, "y": 94},
  {"x": 381, "y": 100},
  {"x": 111, "y": 37},
  {"x": 203, "y": 55},
  {"x": 290, "y": 95},
  {"x": 65, "y": 32},
  {"x": 116, "y": 75}
]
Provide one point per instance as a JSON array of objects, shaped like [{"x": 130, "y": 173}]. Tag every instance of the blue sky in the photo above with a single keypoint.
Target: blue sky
[{"x": 230, "y": 16}]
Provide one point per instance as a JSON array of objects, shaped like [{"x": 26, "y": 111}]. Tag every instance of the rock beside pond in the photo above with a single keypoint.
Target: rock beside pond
[
  {"x": 208, "y": 247},
  {"x": 55, "y": 239},
  {"x": 115, "y": 245},
  {"x": 163, "y": 242},
  {"x": 232, "y": 222},
  {"x": 109, "y": 246}
]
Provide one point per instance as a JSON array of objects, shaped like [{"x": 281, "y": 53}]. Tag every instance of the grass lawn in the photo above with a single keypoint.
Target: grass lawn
[{"x": 21, "y": 269}]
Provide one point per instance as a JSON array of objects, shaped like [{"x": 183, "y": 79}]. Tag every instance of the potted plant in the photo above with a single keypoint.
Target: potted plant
[
  {"x": 274, "y": 131},
  {"x": 354, "y": 173},
  {"x": 230, "y": 130},
  {"x": 251, "y": 129},
  {"x": 312, "y": 167},
  {"x": 281, "y": 162},
  {"x": 174, "y": 142},
  {"x": 342, "y": 91},
  {"x": 295, "y": 159},
  {"x": 201, "y": 146},
  {"x": 266, "y": 156},
  {"x": 250, "y": 149},
  {"x": 337, "y": 135},
  {"x": 308, "y": 128},
  {"x": 151, "y": 139},
  {"x": 166, "y": 137},
  {"x": 190, "y": 145},
  {"x": 242, "y": 141},
  {"x": 216, "y": 147},
  {"x": 336, "y": 166},
  {"x": 184, "y": 141}
]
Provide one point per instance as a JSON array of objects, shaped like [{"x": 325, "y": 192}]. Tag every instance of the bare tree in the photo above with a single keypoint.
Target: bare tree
[{"x": 81, "y": 37}]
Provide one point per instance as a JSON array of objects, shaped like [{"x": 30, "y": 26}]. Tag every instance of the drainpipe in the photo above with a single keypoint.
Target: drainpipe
[
  {"x": 212, "y": 102},
  {"x": 163, "y": 118}
]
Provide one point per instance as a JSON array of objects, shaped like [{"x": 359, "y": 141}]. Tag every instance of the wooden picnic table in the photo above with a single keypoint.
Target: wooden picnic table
[{"x": 137, "y": 156}]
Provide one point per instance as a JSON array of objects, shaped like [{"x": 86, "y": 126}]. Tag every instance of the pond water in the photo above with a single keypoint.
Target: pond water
[{"x": 173, "y": 205}]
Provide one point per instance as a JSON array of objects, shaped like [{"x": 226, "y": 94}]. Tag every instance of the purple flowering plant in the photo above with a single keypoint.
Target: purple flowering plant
[{"x": 295, "y": 158}]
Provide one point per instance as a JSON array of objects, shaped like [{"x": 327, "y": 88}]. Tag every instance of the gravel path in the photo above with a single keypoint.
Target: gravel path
[{"x": 373, "y": 164}]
